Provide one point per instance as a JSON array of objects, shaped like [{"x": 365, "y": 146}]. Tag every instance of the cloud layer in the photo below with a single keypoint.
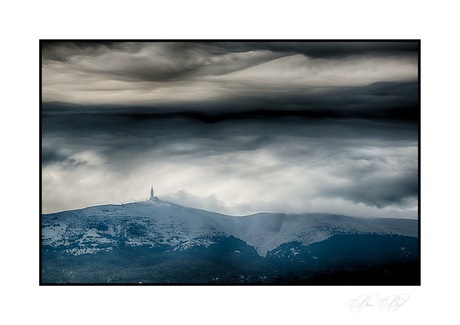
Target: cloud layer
[
  {"x": 146, "y": 73},
  {"x": 233, "y": 127}
]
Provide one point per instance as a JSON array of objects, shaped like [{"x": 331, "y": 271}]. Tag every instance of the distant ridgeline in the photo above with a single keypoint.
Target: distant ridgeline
[{"x": 157, "y": 242}]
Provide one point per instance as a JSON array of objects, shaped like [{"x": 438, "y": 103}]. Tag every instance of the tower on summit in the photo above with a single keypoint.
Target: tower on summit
[{"x": 152, "y": 193}]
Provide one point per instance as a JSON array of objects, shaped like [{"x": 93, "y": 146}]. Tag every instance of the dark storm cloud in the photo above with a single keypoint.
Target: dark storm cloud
[
  {"x": 379, "y": 101},
  {"x": 133, "y": 128},
  {"x": 318, "y": 49},
  {"x": 387, "y": 111},
  {"x": 51, "y": 156},
  {"x": 62, "y": 51},
  {"x": 380, "y": 191},
  {"x": 163, "y": 61},
  {"x": 375, "y": 181}
]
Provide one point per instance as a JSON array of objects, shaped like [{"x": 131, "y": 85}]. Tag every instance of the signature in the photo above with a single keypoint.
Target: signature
[{"x": 384, "y": 304}]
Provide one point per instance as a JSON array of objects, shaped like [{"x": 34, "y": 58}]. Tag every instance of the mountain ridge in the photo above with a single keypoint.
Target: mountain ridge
[
  {"x": 158, "y": 242},
  {"x": 159, "y": 222}
]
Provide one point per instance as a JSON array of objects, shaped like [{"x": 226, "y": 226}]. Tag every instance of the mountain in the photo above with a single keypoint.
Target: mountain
[{"x": 160, "y": 242}]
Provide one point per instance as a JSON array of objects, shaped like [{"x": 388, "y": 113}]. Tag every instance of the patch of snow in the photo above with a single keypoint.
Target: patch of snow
[{"x": 86, "y": 250}]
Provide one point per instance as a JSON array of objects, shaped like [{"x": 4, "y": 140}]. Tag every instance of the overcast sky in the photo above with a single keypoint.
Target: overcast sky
[{"x": 233, "y": 127}]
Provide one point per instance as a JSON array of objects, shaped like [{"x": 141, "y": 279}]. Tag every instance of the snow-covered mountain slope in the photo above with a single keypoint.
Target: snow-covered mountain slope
[
  {"x": 158, "y": 223},
  {"x": 267, "y": 231}
]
